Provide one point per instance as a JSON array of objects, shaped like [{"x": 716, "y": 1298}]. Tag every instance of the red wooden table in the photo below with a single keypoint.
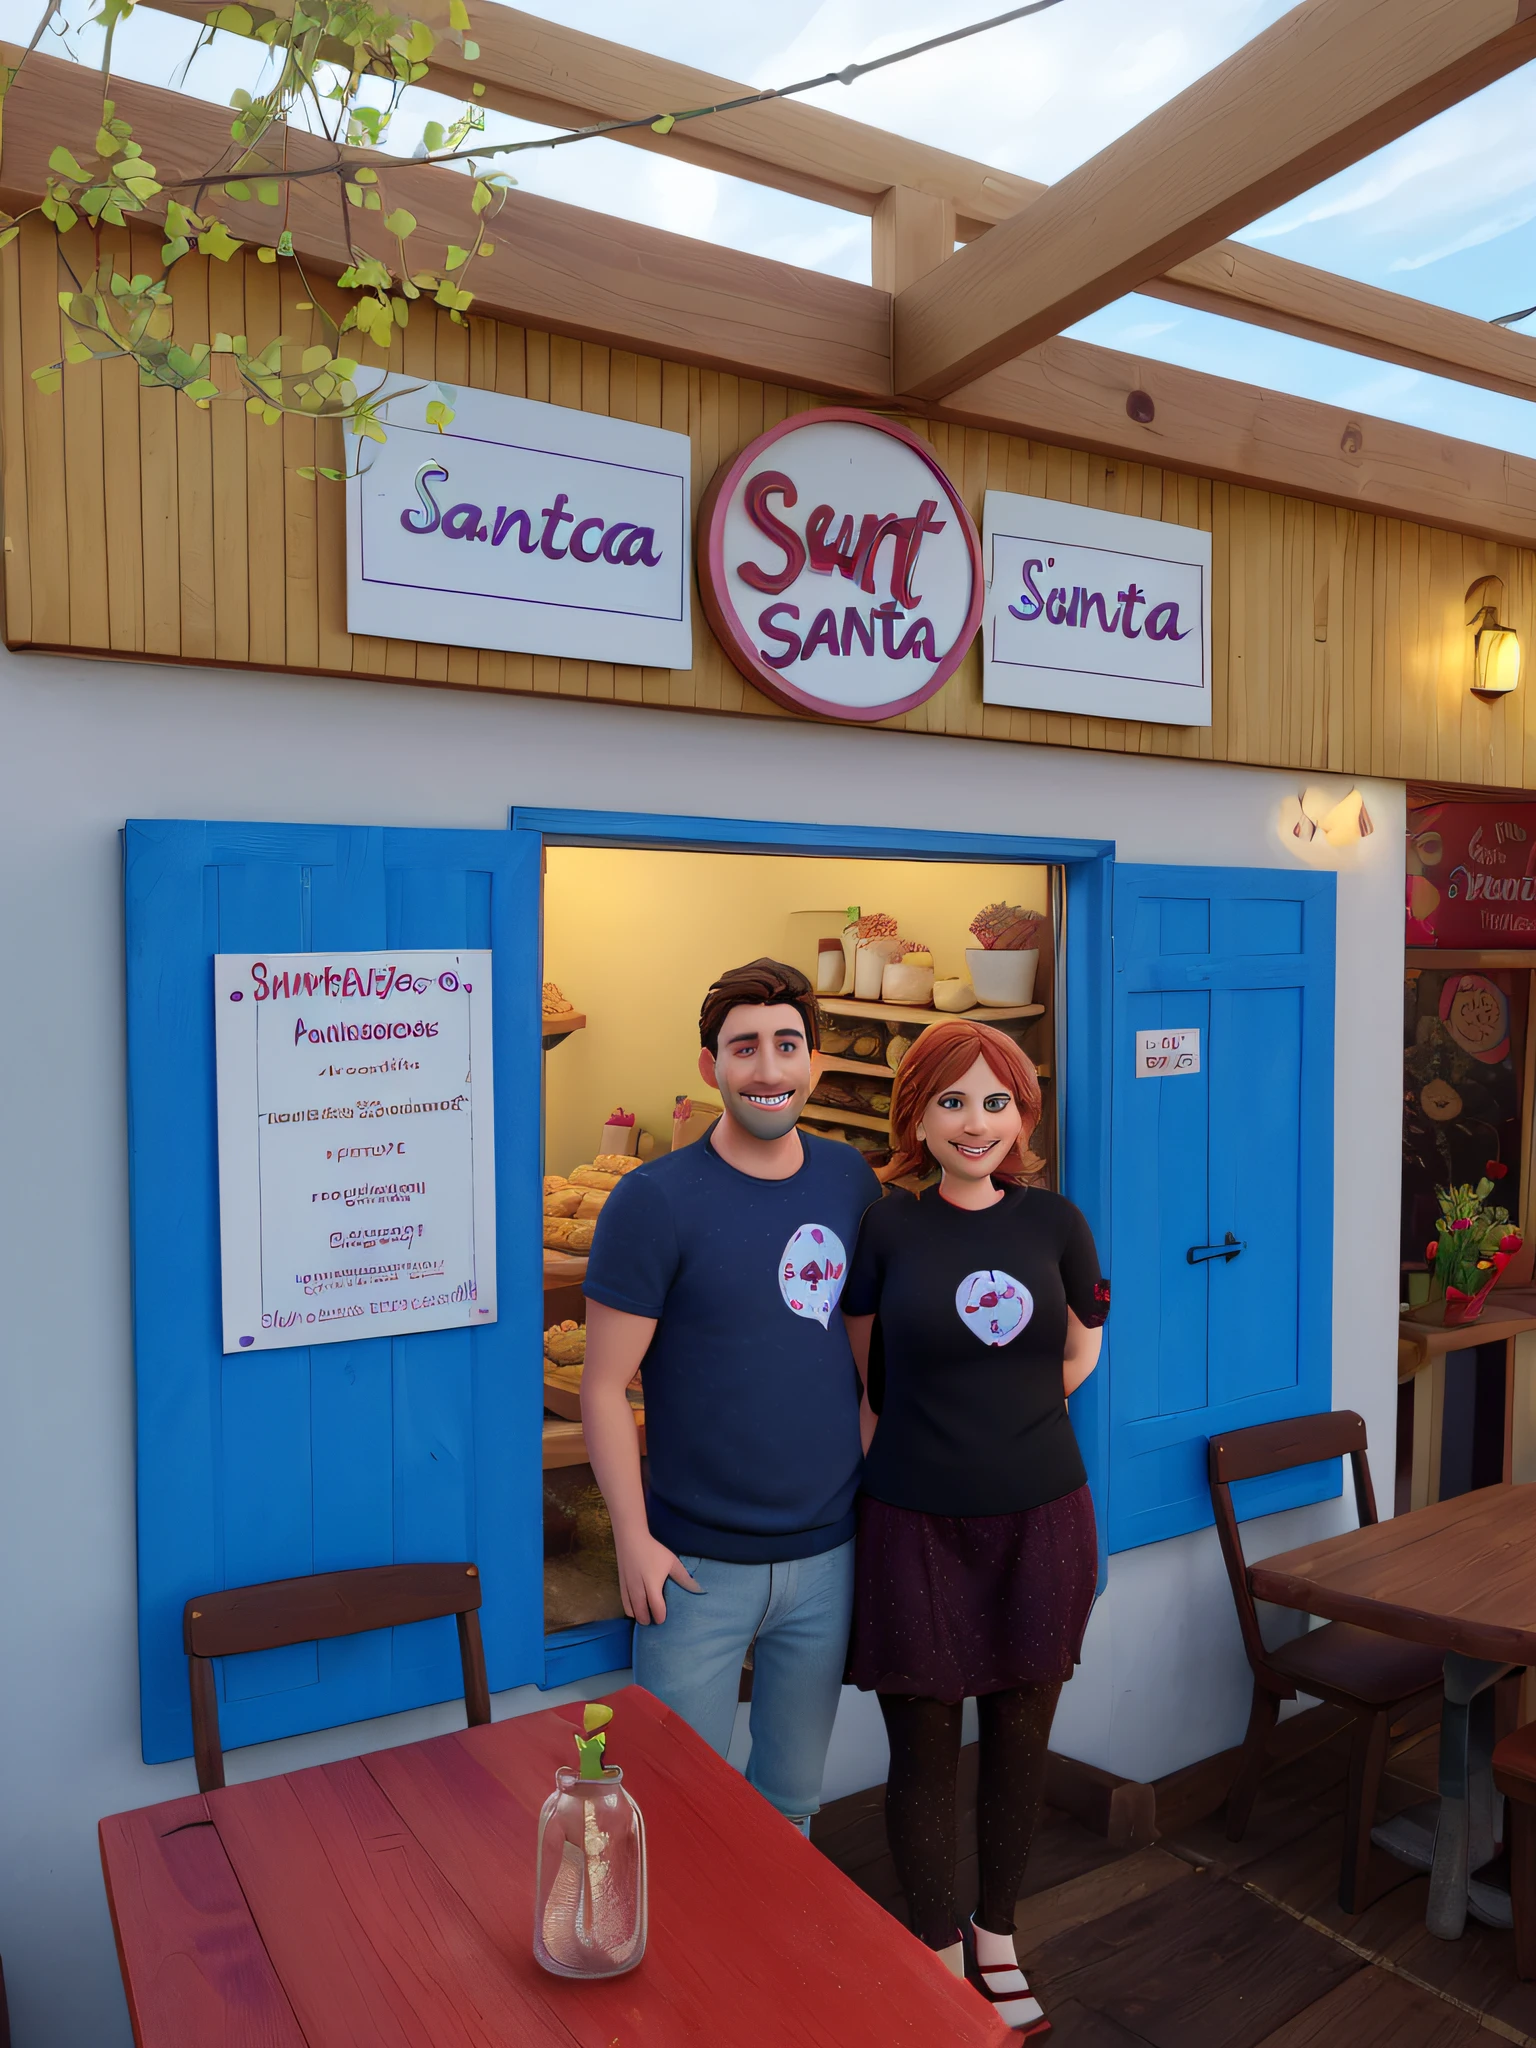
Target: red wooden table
[{"x": 387, "y": 1902}]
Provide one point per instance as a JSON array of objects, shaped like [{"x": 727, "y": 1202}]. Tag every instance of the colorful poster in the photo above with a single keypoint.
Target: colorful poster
[
  {"x": 357, "y": 1193},
  {"x": 1472, "y": 874}
]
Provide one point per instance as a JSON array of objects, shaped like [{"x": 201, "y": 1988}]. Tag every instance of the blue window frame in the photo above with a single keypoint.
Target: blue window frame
[{"x": 1082, "y": 1045}]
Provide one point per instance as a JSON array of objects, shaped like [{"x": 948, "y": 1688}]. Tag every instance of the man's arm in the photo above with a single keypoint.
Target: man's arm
[
  {"x": 859, "y": 1328},
  {"x": 616, "y": 1346}
]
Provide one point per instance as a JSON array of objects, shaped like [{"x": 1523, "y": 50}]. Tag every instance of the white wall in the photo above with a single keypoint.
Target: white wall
[{"x": 84, "y": 745}]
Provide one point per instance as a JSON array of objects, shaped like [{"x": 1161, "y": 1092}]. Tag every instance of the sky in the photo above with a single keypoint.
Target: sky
[{"x": 1447, "y": 214}]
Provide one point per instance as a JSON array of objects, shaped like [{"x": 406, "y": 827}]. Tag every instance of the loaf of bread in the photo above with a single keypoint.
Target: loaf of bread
[
  {"x": 567, "y": 1234},
  {"x": 616, "y": 1162},
  {"x": 592, "y": 1200},
  {"x": 593, "y": 1177},
  {"x": 553, "y": 1181},
  {"x": 564, "y": 1201},
  {"x": 566, "y": 1347}
]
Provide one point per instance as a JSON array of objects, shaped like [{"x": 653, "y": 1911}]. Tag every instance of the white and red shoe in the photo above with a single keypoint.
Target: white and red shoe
[{"x": 1004, "y": 1985}]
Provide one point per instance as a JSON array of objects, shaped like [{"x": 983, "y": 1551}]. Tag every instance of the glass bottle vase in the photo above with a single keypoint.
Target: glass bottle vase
[{"x": 589, "y": 1916}]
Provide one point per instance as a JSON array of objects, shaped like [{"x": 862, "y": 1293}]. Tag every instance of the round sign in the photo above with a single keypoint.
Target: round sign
[{"x": 839, "y": 567}]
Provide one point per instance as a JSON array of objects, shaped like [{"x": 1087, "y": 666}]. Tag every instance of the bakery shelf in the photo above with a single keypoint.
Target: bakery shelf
[
  {"x": 565, "y": 1444},
  {"x": 846, "y": 1116},
  {"x": 909, "y": 1013},
  {"x": 563, "y": 1269},
  {"x": 559, "y": 1024},
  {"x": 840, "y": 1065}
]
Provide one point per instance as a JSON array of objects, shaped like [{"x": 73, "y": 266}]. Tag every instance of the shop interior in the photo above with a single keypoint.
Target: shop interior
[{"x": 632, "y": 940}]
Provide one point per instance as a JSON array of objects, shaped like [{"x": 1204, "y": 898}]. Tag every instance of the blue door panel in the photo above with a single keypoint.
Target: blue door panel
[
  {"x": 1244, "y": 1145},
  {"x": 267, "y": 1466}
]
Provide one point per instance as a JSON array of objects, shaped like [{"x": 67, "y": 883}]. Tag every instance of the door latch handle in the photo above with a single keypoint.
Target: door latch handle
[{"x": 1202, "y": 1254}]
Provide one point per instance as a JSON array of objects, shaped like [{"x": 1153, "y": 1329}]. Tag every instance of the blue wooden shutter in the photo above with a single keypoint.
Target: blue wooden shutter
[
  {"x": 269, "y": 1464},
  {"x": 1246, "y": 1145}
]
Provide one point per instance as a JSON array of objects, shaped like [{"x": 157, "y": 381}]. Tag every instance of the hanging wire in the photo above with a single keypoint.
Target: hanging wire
[{"x": 664, "y": 123}]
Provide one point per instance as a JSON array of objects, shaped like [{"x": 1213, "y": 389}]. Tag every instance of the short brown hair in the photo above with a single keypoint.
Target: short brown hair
[
  {"x": 937, "y": 1061},
  {"x": 759, "y": 982}
]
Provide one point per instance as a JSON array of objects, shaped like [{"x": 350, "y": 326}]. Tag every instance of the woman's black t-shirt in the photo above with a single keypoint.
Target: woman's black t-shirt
[{"x": 972, "y": 1307}]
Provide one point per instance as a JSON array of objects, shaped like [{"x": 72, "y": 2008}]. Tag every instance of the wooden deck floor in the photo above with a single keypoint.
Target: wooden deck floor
[{"x": 1198, "y": 1942}]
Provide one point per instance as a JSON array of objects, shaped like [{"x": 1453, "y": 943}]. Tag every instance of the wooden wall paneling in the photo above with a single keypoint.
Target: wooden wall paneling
[
  {"x": 227, "y": 459},
  {"x": 43, "y": 416},
  {"x": 13, "y": 438},
  {"x": 84, "y": 485},
  {"x": 120, "y": 483},
  {"x": 194, "y": 476},
  {"x": 266, "y": 566},
  {"x": 301, "y": 565}
]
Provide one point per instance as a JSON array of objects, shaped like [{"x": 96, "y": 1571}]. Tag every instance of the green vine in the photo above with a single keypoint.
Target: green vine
[{"x": 321, "y": 55}]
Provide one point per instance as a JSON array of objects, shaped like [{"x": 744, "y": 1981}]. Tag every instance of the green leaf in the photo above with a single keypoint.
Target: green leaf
[
  {"x": 238, "y": 189},
  {"x": 355, "y": 194},
  {"x": 48, "y": 380},
  {"x": 665, "y": 125},
  {"x": 204, "y": 387},
  {"x": 483, "y": 196},
  {"x": 285, "y": 242},
  {"x": 471, "y": 52},
  {"x": 440, "y": 415},
  {"x": 400, "y": 223},
  {"x": 269, "y": 191},
  {"x": 458, "y": 14},
  {"x": 66, "y": 166},
  {"x": 365, "y": 176},
  {"x": 236, "y": 20},
  {"x": 266, "y": 255},
  {"x": 107, "y": 143},
  {"x": 77, "y": 352},
  {"x": 314, "y": 358},
  {"x": 308, "y": 474},
  {"x": 216, "y": 240},
  {"x": 7, "y": 236},
  {"x": 422, "y": 42},
  {"x": 433, "y": 135},
  {"x": 456, "y": 257},
  {"x": 477, "y": 88}
]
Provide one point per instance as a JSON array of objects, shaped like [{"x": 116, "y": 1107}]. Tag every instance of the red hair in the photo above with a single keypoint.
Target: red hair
[{"x": 940, "y": 1058}]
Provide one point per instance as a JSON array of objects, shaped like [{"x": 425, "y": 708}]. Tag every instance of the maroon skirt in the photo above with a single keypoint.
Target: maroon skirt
[{"x": 948, "y": 1606}]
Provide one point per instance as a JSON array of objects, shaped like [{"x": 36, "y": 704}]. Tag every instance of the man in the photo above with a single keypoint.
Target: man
[{"x": 718, "y": 1268}]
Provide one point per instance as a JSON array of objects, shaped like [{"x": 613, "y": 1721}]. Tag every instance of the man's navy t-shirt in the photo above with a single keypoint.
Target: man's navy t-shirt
[{"x": 751, "y": 1397}]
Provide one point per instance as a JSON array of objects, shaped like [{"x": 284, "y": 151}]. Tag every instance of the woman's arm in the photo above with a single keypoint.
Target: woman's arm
[
  {"x": 616, "y": 1347},
  {"x": 858, "y": 1328},
  {"x": 1082, "y": 1353}
]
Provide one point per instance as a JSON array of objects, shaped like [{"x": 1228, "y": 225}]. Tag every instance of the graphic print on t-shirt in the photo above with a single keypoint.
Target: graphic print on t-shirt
[
  {"x": 993, "y": 1306},
  {"x": 812, "y": 1271}
]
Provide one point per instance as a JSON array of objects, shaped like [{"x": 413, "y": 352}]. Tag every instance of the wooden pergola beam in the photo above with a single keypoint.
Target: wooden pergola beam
[
  {"x": 1073, "y": 392},
  {"x": 923, "y": 200},
  {"x": 583, "y": 274},
  {"x": 561, "y": 78},
  {"x": 1326, "y": 85},
  {"x": 1242, "y": 283},
  {"x": 564, "y": 267}
]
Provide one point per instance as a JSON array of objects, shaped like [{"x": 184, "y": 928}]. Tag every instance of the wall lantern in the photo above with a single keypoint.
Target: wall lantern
[
  {"x": 1495, "y": 647},
  {"x": 1342, "y": 821}
]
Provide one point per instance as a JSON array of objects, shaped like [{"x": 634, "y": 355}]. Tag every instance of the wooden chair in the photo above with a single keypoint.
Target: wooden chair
[
  {"x": 1379, "y": 1679},
  {"x": 1514, "y": 1774},
  {"x": 313, "y": 1610}
]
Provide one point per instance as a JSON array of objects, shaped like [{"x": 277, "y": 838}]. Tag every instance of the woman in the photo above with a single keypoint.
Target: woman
[{"x": 977, "y": 1551}]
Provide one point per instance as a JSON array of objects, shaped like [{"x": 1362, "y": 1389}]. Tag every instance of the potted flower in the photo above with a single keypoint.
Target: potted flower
[
  {"x": 1002, "y": 963},
  {"x": 1474, "y": 1241}
]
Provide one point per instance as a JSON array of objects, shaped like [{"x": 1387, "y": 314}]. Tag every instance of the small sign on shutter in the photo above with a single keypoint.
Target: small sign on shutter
[{"x": 1162, "y": 1054}]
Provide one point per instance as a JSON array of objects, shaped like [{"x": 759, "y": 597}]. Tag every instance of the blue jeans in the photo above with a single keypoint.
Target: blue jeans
[{"x": 794, "y": 1618}]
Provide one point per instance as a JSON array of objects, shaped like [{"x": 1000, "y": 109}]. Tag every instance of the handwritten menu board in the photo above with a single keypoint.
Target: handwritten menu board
[{"x": 357, "y": 1191}]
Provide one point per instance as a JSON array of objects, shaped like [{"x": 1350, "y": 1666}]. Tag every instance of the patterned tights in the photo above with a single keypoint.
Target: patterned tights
[{"x": 920, "y": 1801}]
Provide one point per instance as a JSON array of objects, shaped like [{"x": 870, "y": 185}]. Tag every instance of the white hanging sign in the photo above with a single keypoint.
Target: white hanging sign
[
  {"x": 357, "y": 1189},
  {"x": 522, "y": 526},
  {"x": 1160, "y": 1055},
  {"x": 1096, "y": 613}
]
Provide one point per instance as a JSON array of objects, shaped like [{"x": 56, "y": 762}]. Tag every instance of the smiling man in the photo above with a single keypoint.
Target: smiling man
[{"x": 718, "y": 1269}]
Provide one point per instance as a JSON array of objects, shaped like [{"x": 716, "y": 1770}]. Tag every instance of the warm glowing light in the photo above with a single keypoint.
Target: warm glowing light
[{"x": 1497, "y": 658}]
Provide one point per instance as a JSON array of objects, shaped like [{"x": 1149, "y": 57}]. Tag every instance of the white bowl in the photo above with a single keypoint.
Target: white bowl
[{"x": 1002, "y": 980}]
